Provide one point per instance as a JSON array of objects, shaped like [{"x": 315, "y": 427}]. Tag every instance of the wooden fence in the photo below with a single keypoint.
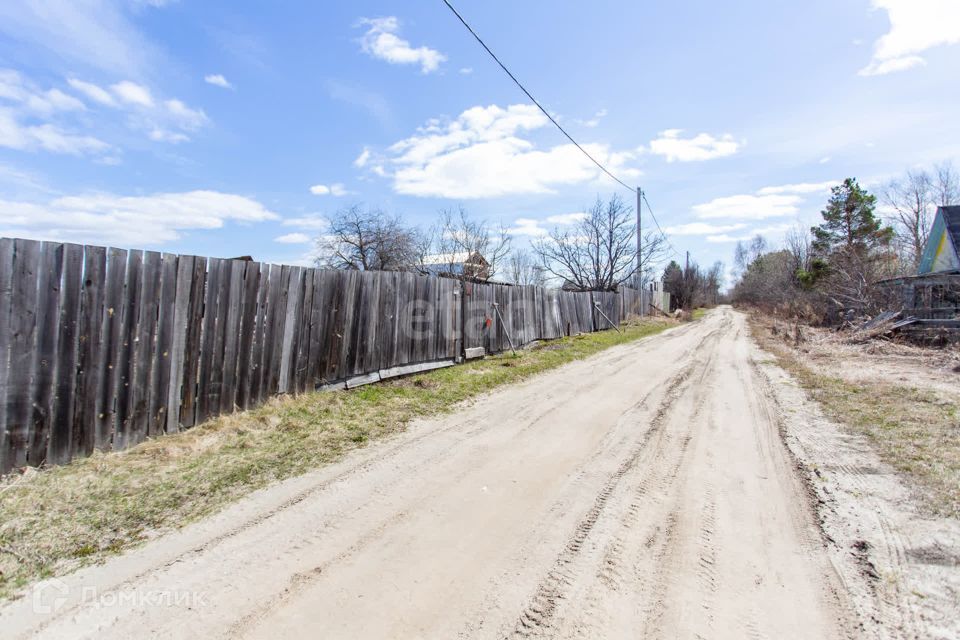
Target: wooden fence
[{"x": 101, "y": 348}]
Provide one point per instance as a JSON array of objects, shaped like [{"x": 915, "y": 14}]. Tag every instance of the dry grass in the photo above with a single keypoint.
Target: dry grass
[
  {"x": 915, "y": 429},
  {"x": 55, "y": 520}
]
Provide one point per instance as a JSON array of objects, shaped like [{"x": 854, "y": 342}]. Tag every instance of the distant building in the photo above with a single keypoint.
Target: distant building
[
  {"x": 461, "y": 263},
  {"x": 942, "y": 251}
]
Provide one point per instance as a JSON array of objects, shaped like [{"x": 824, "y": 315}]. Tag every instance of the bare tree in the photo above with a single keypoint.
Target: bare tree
[
  {"x": 598, "y": 253},
  {"x": 798, "y": 243},
  {"x": 458, "y": 239},
  {"x": 523, "y": 268},
  {"x": 653, "y": 250},
  {"x": 912, "y": 199},
  {"x": 368, "y": 240},
  {"x": 946, "y": 186},
  {"x": 746, "y": 253}
]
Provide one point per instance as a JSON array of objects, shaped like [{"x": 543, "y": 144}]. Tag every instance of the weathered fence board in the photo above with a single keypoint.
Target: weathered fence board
[
  {"x": 208, "y": 338},
  {"x": 305, "y": 317},
  {"x": 6, "y": 296},
  {"x": 194, "y": 344},
  {"x": 111, "y": 328},
  {"x": 228, "y": 390},
  {"x": 248, "y": 323},
  {"x": 258, "y": 351},
  {"x": 124, "y": 396},
  {"x": 90, "y": 360},
  {"x": 39, "y": 421},
  {"x": 22, "y": 332},
  {"x": 180, "y": 313},
  {"x": 60, "y": 448},
  {"x": 144, "y": 351}
]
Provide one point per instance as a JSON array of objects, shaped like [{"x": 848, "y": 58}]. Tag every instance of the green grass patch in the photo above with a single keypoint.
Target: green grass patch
[{"x": 55, "y": 520}]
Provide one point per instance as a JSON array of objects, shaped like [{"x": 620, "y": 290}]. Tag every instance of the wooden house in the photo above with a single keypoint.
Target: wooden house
[
  {"x": 934, "y": 292},
  {"x": 470, "y": 265}
]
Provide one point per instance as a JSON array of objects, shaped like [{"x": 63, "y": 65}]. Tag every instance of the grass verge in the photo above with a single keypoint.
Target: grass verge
[
  {"x": 55, "y": 520},
  {"x": 914, "y": 430}
]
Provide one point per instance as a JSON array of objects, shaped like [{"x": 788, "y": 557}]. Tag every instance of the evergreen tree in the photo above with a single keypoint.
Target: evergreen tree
[
  {"x": 850, "y": 250},
  {"x": 849, "y": 225}
]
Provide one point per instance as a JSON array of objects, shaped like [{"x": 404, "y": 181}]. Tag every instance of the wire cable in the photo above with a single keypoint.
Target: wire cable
[
  {"x": 557, "y": 124},
  {"x": 534, "y": 100},
  {"x": 643, "y": 194}
]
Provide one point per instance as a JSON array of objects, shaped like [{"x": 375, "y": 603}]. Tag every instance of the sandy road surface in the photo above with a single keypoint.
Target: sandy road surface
[{"x": 644, "y": 492}]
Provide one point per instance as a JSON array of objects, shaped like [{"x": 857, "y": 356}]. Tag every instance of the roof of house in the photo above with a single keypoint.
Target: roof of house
[
  {"x": 457, "y": 257},
  {"x": 937, "y": 256},
  {"x": 951, "y": 216}
]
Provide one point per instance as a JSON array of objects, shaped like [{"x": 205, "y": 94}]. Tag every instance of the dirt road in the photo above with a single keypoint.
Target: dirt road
[{"x": 645, "y": 492}]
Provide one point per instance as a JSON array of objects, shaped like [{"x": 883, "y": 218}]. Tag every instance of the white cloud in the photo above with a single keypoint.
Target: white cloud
[
  {"x": 701, "y": 228},
  {"x": 480, "y": 154},
  {"x": 768, "y": 202},
  {"x": 93, "y": 92},
  {"x": 466, "y": 71},
  {"x": 217, "y": 80},
  {"x": 104, "y": 218},
  {"x": 50, "y": 138},
  {"x": 293, "y": 238},
  {"x": 45, "y": 137},
  {"x": 700, "y": 147},
  {"x": 55, "y": 100},
  {"x": 362, "y": 159},
  {"x": 533, "y": 227},
  {"x": 801, "y": 188},
  {"x": 310, "y": 223},
  {"x": 566, "y": 218},
  {"x": 84, "y": 34},
  {"x": 22, "y": 180},
  {"x": 158, "y": 134},
  {"x": 30, "y": 99},
  {"x": 526, "y": 227},
  {"x": 725, "y": 237},
  {"x": 915, "y": 27},
  {"x": 133, "y": 93},
  {"x": 381, "y": 41},
  {"x": 881, "y": 68},
  {"x": 166, "y": 121},
  {"x": 749, "y": 207},
  {"x": 595, "y": 120},
  {"x": 762, "y": 231},
  {"x": 335, "y": 189},
  {"x": 186, "y": 117}
]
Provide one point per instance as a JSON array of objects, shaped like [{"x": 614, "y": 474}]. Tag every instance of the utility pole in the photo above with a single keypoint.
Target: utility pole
[
  {"x": 688, "y": 262},
  {"x": 639, "y": 275}
]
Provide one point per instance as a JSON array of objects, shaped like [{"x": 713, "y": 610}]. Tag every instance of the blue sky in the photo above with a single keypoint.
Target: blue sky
[{"x": 230, "y": 128}]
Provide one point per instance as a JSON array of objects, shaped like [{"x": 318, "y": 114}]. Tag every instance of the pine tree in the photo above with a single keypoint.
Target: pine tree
[
  {"x": 849, "y": 226},
  {"x": 850, "y": 248}
]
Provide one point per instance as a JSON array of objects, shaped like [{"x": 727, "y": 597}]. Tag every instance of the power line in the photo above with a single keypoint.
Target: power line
[
  {"x": 532, "y": 99},
  {"x": 557, "y": 124},
  {"x": 643, "y": 194}
]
